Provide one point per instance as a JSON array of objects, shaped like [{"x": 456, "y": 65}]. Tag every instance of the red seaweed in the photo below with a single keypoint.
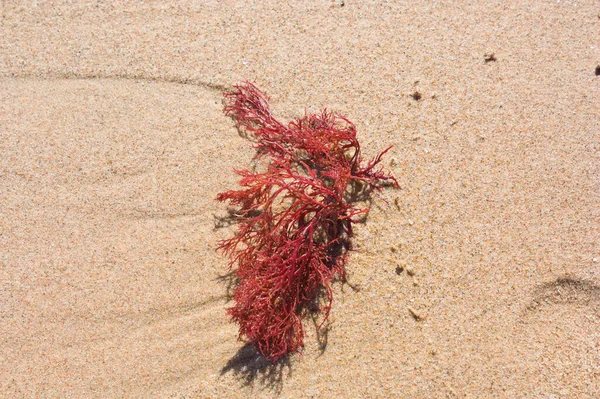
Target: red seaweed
[{"x": 294, "y": 217}]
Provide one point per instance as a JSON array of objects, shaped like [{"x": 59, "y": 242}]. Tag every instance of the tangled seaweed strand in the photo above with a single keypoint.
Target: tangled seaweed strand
[{"x": 295, "y": 218}]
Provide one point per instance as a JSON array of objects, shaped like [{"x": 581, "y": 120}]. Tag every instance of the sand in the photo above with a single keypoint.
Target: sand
[{"x": 113, "y": 147}]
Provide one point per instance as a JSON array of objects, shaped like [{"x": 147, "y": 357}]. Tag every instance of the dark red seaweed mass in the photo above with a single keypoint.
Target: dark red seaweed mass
[{"x": 294, "y": 217}]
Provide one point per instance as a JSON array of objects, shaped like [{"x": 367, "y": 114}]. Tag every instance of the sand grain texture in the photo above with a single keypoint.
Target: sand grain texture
[{"x": 113, "y": 147}]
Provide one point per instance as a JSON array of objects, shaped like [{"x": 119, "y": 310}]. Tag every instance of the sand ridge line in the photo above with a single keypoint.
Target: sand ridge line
[{"x": 119, "y": 76}]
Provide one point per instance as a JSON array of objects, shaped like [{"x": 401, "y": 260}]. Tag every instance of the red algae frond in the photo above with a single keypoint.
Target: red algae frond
[{"x": 295, "y": 218}]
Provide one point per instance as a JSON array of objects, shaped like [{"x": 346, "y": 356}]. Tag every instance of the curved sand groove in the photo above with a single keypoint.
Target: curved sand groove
[
  {"x": 559, "y": 335},
  {"x": 110, "y": 277}
]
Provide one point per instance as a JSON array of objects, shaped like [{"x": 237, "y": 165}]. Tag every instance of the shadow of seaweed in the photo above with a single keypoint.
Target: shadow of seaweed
[
  {"x": 231, "y": 281},
  {"x": 251, "y": 368},
  {"x": 224, "y": 221},
  {"x": 322, "y": 333}
]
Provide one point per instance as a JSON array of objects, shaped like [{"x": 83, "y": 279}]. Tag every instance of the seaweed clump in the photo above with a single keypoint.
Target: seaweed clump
[{"x": 294, "y": 217}]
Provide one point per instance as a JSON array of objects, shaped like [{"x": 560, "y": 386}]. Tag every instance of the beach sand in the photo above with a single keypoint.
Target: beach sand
[{"x": 114, "y": 146}]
